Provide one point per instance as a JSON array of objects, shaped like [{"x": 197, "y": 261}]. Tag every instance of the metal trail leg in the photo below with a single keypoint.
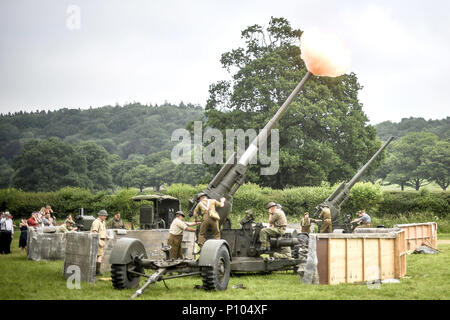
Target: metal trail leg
[{"x": 151, "y": 280}]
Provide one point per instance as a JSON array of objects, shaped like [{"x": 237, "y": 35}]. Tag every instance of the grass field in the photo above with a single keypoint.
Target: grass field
[{"x": 428, "y": 277}]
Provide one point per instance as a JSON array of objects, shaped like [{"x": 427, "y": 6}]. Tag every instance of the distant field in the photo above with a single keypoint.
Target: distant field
[
  {"x": 427, "y": 278},
  {"x": 432, "y": 187}
]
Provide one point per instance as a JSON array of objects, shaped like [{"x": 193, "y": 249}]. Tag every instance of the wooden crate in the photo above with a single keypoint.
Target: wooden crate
[
  {"x": 417, "y": 234},
  {"x": 348, "y": 258}
]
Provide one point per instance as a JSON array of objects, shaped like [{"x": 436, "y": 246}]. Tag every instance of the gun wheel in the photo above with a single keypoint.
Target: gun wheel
[
  {"x": 217, "y": 276},
  {"x": 122, "y": 278}
]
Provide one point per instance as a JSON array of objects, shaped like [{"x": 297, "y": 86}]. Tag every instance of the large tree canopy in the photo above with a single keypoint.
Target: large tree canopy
[
  {"x": 437, "y": 163},
  {"x": 406, "y": 163},
  {"x": 97, "y": 159},
  {"x": 324, "y": 136}
]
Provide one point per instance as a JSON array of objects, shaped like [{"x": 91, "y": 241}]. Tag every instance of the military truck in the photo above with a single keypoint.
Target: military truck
[{"x": 160, "y": 213}]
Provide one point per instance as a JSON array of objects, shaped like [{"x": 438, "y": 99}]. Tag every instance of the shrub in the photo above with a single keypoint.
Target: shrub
[
  {"x": 364, "y": 196},
  {"x": 295, "y": 201}
]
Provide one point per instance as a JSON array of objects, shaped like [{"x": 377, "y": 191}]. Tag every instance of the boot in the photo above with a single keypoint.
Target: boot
[{"x": 97, "y": 269}]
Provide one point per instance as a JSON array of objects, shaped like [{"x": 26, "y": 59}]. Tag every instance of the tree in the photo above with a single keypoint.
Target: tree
[
  {"x": 140, "y": 176},
  {"x": 120, "y": 168},
  {"x": 163, "y": 173},
  {"x": 439, "y": 127},
  {"x": 407, "y": 159},
  {"x": 6, "y": 173},
  {"x": 48, "y": 165},
  {"x": 324, "y": 136},
  {"x": 437, "y": 163},
  {"x": 98, "y": 168}
]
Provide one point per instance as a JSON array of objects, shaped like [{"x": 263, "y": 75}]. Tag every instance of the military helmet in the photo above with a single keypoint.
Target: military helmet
[
  {"x": 103, "y": 213},
  {"x": 181, "y": 213},
  {"x": 270, "y": 205},
  {"x": 201, "y": 194}
]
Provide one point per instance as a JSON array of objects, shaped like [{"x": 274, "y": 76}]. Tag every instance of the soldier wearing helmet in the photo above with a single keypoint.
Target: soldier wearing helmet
[
  {"x": 207, "y": 208},
  {"x": 277, "y": 222},
  {"x": 99, "y": 227}
]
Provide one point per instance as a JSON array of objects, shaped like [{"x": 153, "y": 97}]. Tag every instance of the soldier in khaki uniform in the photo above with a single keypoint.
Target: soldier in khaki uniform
[
  {"x": 277, "y": 222},
  {"x": 207, "y": 207},
  {"x": 66, "y": 227},
  {"x": 116, "y": 222},
  {"x": 99, "y": 226},
  {"x": 325, "y": 215},
  {"x": 305, "y": 223},
  {"x": 176, "y": 234}
]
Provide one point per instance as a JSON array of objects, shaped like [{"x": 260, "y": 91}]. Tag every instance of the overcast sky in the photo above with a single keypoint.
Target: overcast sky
[{"x": 152, "y": 51}]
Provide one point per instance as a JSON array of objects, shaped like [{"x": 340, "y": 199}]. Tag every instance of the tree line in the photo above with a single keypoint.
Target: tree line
[{"x": 324, "y": 136}]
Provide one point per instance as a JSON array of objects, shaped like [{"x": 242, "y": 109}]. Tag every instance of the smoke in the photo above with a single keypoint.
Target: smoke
[{"x": 324, "y": 53}]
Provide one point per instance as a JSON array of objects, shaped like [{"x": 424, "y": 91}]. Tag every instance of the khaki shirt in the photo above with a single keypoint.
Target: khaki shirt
[
  {"x": 116, "y": 224},
  {"x": 177, "y": 227},
  {"x": 206, "y": 206},
  {"x": 325, "y": 214},
  {"x": 99, "y": 226},
  {"x": 70, "y": 221},
  {"x": 306, "y": 222},
  {"x": 278, "y": 219}
]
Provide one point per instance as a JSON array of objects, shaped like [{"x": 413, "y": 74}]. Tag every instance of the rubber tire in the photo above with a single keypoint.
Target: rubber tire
[
  {"x": 217, "y": 276},
  {"x": 121, "y": 279}
]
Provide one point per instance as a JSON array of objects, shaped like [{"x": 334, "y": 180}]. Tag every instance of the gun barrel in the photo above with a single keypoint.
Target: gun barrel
[
  {"x": 232, "y": 175},
  {"x": 265, "y": 132},
  {"x": 364, "y": 168}
]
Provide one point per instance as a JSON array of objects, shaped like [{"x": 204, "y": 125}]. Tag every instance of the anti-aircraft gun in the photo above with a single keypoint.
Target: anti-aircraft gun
[
  {"x": 236, "y": 251},
  {"x": 232, "y": 174},
  {"x": 341, "y": 194}
]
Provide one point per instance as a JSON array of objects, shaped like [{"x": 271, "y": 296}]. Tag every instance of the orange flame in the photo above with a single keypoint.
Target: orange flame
[{"x": 324, "y": 53}]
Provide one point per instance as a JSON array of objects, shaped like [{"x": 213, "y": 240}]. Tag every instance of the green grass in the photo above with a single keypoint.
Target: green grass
[
  {"x": 428, "y": 277},
  {"x": 432, "y": 187}
]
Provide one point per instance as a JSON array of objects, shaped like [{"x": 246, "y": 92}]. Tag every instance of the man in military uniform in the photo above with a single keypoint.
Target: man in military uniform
[
  {"x": 207, "y": 207},
  {"x": 277, "y": 222},
  {"x": 99, "y": 227},
  {"x": 66, "y": 227},
  {"x": 325, "y": 215},
  {"x": 176, "y": 234},
  {"x": 116, "y": 222},
  {"x": 305, "y": 223},
  {"x": 364, "y": 219},
  {"x": 72, "y": 223}
]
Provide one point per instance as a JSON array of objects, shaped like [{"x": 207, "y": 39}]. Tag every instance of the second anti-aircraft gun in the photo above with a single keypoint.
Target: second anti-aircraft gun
[{"x": 341, "y": 194}]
